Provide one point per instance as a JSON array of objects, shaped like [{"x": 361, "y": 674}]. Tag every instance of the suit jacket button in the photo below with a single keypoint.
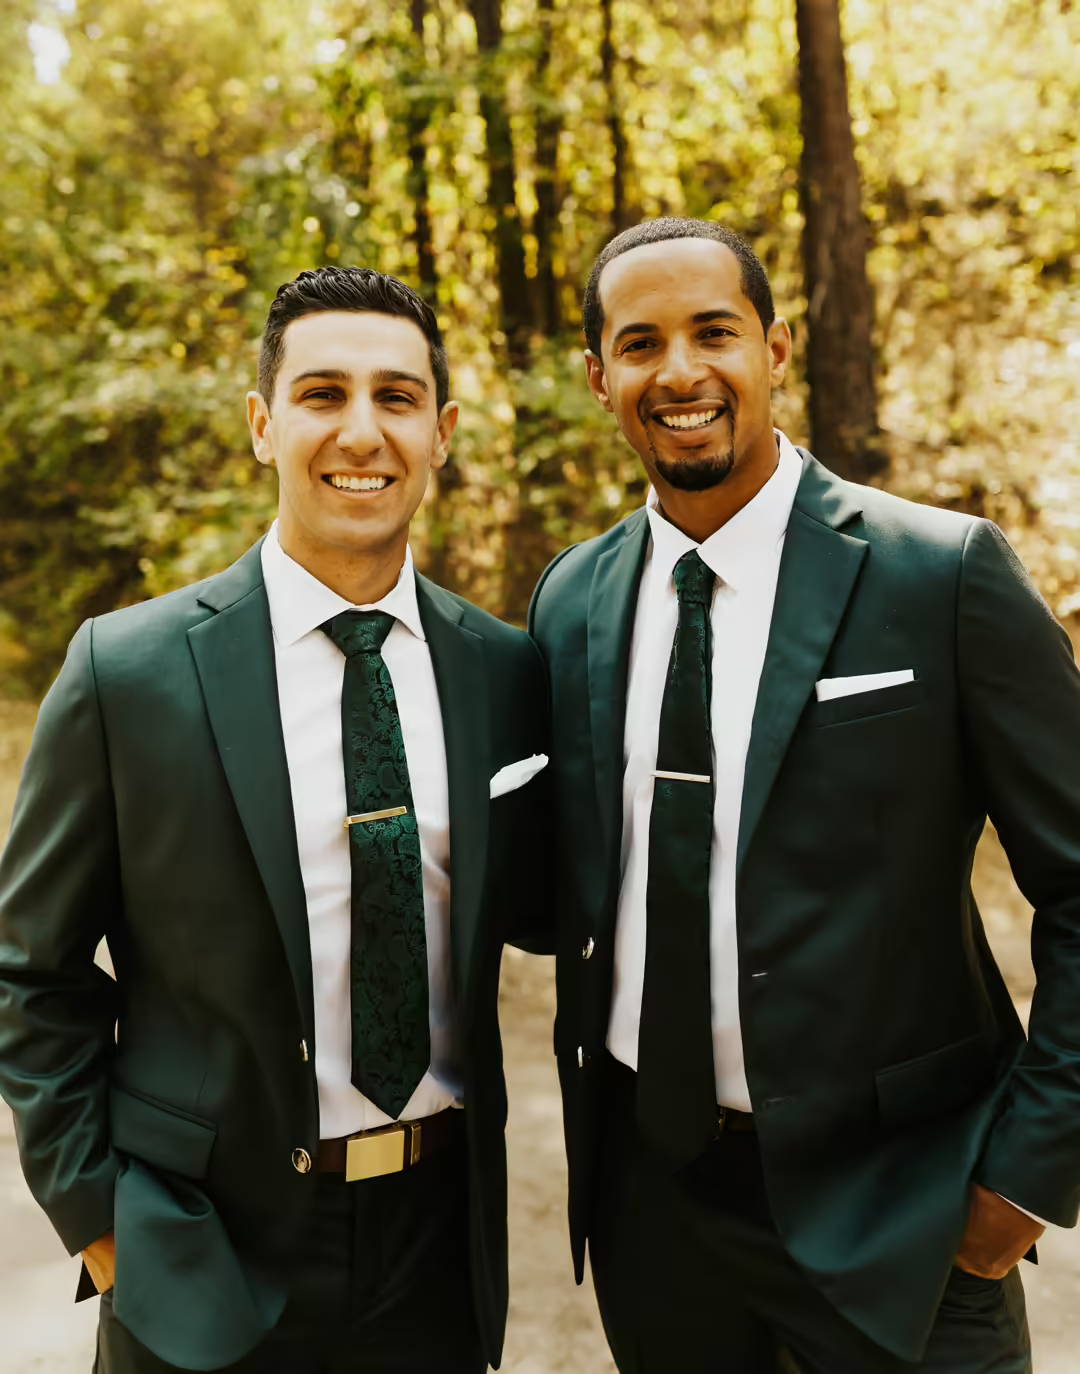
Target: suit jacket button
[
  {"x": 587, "y": 948},
  {"x": 581, "y": 1056},
  {"x": 301, "y": 1160}
]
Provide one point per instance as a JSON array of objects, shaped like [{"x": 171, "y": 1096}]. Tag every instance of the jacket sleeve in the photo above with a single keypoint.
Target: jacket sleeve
[
  {"x": 532, "y": 926},
  {"x": 59, "y": 891},
  {"x": 542, "y": 936},
  {"x": 1021, "y": 712},
  {"x": 534, "y": 600}
]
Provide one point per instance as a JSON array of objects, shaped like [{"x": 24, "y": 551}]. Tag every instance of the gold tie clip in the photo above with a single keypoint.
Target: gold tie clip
[
  {"x": 681, "y": 777},
  {"x": 384, "y": 815}
]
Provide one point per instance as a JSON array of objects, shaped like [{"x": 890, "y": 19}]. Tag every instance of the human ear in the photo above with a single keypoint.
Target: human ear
[
  {"x": 447, "y": 423},
  {"x": 258, "y": 418},
  {"x": 778, "y": 342},
  {"x": 597, "y": 378}
]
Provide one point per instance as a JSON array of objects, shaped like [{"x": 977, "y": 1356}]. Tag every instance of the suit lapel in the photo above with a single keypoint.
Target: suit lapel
[
  {"x": 818, "y": 570},
  {"x": 459, "y": 660},
  {"x": 612, "y": 603},
  {"x": 234, "y": 657}
]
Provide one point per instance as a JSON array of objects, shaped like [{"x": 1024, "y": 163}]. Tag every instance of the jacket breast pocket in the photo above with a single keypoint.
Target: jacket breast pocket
[
  {"x": 163, "y": 1136},
  {"x": 932, "y": 1084},
  {"x": 882, "y": 701}
]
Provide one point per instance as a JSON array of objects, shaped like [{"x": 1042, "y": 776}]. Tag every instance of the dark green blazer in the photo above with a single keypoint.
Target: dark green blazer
[
  {"x": 155, "y": 811},
  {"x": 886, "y": 1065}
]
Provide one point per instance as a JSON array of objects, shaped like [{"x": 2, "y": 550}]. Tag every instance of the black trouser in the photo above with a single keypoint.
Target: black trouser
[
  {"x": 381, "y": 1285},
  {"x": 691, "y": 1275}
]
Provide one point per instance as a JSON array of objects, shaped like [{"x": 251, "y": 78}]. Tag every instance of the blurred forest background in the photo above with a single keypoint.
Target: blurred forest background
[
  {"x": 167, "y": 163},
  {"x": 911, "y": 185}
]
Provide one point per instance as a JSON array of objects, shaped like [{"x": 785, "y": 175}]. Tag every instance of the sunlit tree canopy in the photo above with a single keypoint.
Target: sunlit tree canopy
[{"x": 166, "y": 166}]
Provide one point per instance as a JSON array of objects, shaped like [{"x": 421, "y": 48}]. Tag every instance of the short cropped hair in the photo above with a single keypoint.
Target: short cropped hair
[
  {"x": 755, "y": 282},
  {"x": 348, "y": 288}
]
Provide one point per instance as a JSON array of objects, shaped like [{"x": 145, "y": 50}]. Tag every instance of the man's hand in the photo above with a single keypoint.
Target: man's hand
[
  {"x": 100, "y": 1261},
  {"x": 998, "y": 1235}
]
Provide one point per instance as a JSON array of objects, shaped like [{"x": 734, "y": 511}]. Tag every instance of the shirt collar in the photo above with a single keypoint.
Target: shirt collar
[
  {"x": 300, "y": 603},
  {"x": 752, "y": 534}
]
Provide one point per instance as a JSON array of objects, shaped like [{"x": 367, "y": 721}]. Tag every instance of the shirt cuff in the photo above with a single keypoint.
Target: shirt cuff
[{"x": 1041, "y": 1220}]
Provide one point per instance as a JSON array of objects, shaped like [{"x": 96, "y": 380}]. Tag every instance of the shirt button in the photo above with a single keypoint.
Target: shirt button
[
  {"x": 301, "y": 1160},
  {"x": 587, "y": 948}
]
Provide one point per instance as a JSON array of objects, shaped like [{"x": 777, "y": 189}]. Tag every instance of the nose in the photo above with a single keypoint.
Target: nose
[
  {"x": 680, "y": 367},
  {"x": 360, "y": 433}
]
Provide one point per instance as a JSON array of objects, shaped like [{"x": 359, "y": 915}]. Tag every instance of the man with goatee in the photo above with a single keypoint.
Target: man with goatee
[{"x": 805, "y": 1129}]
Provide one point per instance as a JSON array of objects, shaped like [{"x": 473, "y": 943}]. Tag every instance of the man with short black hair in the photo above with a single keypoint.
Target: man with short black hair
[
  {"x": 802, "y": 1121},
  {"x": 296, "y": 799}
]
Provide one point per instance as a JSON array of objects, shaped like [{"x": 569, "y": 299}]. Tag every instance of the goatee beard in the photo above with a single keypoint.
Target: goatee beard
[{"x": 697, "y": 473}]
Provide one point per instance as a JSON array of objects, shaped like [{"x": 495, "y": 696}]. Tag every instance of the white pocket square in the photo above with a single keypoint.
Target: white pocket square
[
  {"x": 831, "y": 687},
  {"x": 516, "y": 774}
]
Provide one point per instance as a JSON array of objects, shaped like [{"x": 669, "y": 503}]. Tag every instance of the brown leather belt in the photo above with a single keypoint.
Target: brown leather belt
[{"x": 388, "y": 1149}]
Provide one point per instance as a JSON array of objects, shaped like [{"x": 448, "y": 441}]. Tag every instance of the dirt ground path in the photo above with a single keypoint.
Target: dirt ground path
[{"x": 553, "y": 1325}]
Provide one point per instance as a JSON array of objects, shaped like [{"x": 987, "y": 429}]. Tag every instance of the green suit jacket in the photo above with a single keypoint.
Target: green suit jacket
[
  {"x": 155, "y": 810},
  {"x": 886, "y": 1065}
]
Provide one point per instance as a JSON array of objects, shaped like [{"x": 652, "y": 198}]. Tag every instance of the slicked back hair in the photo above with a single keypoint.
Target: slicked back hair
[
  {"x": 755, "y": 282},
  {"x": 348, "y": 288}
]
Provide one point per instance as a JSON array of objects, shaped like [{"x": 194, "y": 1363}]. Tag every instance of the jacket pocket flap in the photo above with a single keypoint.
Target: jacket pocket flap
[
  {"x": 159, "y": 1134},
  {"x": 940, "y": 1081},
  {"x": 882, "y": 701}
]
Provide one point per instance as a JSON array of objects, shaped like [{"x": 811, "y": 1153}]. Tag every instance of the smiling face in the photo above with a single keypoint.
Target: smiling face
[
  {"x": 687, "y": 370},
  {"x": 354, "y": 432}
]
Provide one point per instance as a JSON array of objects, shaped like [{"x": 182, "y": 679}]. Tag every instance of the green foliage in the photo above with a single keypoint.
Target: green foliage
[{"x": 191, "y": 157}]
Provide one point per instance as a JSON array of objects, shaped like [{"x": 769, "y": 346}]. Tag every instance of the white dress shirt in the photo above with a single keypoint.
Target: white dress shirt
[
  {"x": 310, "y": 669},
  {"x": 745, "y": 556}
]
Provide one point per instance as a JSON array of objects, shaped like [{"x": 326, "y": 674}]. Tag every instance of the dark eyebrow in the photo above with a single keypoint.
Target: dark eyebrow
[
  {"x": 707, "y": 316},
  {"x": 385, "y": 375},
  {"x": 326, "y": 374},
  {"x": 703, "y": 317},
  {"x": 381, "y": 377},
  {"x": 633, "y": 329}
]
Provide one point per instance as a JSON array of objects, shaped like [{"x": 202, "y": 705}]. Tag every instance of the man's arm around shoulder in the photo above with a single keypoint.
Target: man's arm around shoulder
[{"x": 530, "y": 927}]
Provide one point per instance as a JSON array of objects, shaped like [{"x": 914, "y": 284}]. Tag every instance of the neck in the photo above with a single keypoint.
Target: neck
[
  {"x": 359, "y": 578},
  {"x": 701, "y": 514}
]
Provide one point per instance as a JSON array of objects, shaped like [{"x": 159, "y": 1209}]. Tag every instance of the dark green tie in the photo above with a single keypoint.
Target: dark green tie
[
  {"x": 391, "y": 1046},
  {"x": 676, "y": 1083}
]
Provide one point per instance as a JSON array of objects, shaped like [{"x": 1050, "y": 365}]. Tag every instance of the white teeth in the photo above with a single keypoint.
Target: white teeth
[
  {"x": 350, "y": 483},
  {"x": 694, "y": 420}
]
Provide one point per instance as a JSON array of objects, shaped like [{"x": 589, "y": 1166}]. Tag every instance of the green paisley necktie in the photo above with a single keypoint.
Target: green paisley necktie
[
  {"x": 676, "y": 1083},
  {"x": 391, "y": 1046}
]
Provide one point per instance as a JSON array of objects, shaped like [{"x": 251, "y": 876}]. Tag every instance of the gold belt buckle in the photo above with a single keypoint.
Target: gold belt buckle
[{"x": 387, "y": 1150}]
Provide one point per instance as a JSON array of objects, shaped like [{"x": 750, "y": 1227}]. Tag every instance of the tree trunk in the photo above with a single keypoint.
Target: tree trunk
[
  {"x": 509, "y": 249},
  {"x": 840, "y": 364},
  {"x": 522, "y": 561},
  {"x": 620, "y": 214},
  {"x": 447, "y": 484},
  {"x": 548, "y": 128},
  {"x": 417, "y": 123}
]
